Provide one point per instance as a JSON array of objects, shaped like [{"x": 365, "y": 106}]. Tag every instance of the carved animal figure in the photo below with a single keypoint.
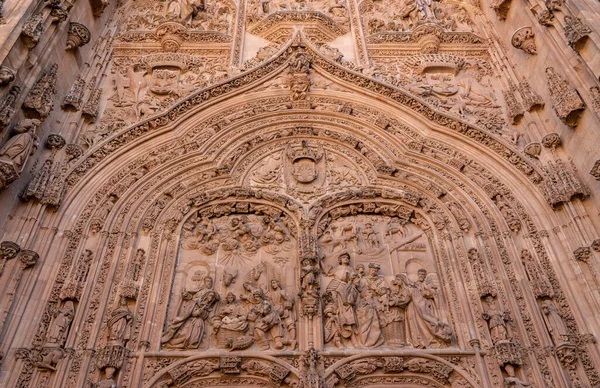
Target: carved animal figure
[{"x": 239, "y": 343}]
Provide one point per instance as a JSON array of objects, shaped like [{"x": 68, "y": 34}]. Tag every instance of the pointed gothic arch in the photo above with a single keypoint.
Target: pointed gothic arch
[{"x": 290, "y": 160}]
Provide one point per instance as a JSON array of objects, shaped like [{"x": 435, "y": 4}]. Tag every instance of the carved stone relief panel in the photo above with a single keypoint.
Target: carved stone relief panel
[
  {"x": 305, "y": 170},
  {"x": 235, "y": 282},
  {"x": 142, "y": 86},
  {"x": 274, "y": 19},
  {"x": 406, "y": 15},
  {"x": 380, "y": 285},
  {"x": 459, "y": 85},
  {"x": 198, "y": 18}
]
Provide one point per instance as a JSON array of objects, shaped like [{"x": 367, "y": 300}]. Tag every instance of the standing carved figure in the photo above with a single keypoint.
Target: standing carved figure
[
  {"x": 333, "y": 330},
  {"x": 19, "y": 147},
  {"x": 283, "y": 304},
  {"x": 120, "y": 323},
  {"x": 496, "y": 320},
  {"x": 374, "y": 292},
  {"x": 424, "y": 329},
  {"x": 58, "y": 331},
  {"x": 345, "y": 293},
  {"x": 393, "y": 321},
  {"x": 555, "y": 324}
]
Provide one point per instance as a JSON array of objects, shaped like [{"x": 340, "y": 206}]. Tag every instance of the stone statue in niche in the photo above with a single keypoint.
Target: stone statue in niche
[
  {"x": 424, "y": 327},
  {"x": 59, "y": 329},
  {"x": 108, "y": 381},
  {"x": 18, "y": 148},
  {"x": 186, "y": 330},
  {"x": 512, "y": 380},
  {"x": 555, "y": 324},
  {"x": 496, "y": 320},
  {"x": 120, "y": 323},
  {"x": 309, "y": 282}
]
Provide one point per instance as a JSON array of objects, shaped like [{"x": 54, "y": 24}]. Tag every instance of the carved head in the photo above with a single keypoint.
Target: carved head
[
  {"x": 344, "y": 259},
  {"x": 547, "y": 307},
  {"x": 6, "y": 75},
  {"x": 275, "y": 284},
  {"x": 374, "y": 268},
  {"x": 422, "y": 274},
  {"x": 360, "y": 268},
  {"x": 208, "y": 282},
  {"x": 230, "y": 298}
]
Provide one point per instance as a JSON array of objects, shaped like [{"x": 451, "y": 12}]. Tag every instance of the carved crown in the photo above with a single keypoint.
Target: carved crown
[{"x": 304, "y": 151}]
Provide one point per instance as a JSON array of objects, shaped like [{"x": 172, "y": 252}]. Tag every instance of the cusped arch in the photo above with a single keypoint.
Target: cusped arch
[
  {"x": 226, "y": 370},
  {"x": 406, "y": 369}
]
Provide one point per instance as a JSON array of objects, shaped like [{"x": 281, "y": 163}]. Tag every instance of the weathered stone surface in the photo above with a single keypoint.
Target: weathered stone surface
[{"x": 299, "y": 194}]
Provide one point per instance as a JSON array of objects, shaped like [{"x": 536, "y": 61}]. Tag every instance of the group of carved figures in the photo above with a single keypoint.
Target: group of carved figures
[
  {"x": 364, "y": 310},
  {"x": 266, "y": 319},
  {"x": 239, "y": 237},
  {"x": 337, "y": 10},
  {"x": 407, "y": 14}
]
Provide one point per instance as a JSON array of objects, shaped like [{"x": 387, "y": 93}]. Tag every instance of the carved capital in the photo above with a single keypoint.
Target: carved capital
[
  {"x": 28, "y": 258},
  {"x": 551, "y": 140},
  {"x": 524, "y": 39},
  {"x": 533, "y": 149},
  {"x": 77, "y": 36}
]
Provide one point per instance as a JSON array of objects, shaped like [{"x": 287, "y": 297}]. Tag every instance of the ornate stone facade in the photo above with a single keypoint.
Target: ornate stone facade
[{"x": 299, "y": 194}]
